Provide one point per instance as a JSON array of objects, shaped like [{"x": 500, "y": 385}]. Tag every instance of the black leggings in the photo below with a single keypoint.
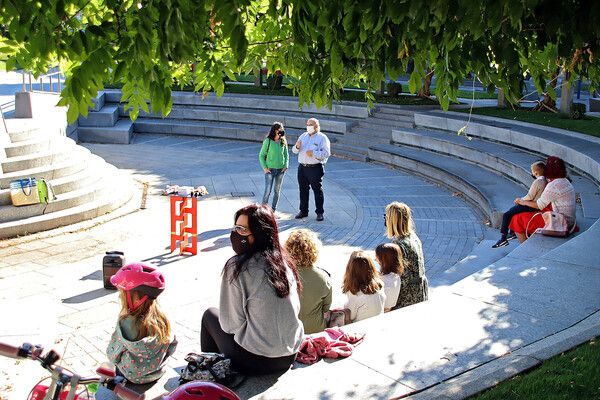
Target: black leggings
[
  {"x": 213, "y": 339},
  {"x": 514, "y": 210}
]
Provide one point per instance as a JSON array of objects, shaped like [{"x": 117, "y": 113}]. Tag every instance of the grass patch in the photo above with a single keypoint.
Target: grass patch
[
  {"x": 479, "y": 94},
  {"x": 588, "y": 125},
  {"x": 571, "y": 375}
]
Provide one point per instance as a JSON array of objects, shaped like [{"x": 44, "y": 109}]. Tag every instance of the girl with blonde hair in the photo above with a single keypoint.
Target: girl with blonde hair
[
  {"x": 401, "y": 230},
  {"x": 142, "y": 340},
  {"x": 303, "y": 247},
  {"x": 363, "y": 287}
]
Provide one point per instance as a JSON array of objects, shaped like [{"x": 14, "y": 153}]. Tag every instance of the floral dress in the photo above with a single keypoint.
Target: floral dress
[{"x": 414, "y": 287}]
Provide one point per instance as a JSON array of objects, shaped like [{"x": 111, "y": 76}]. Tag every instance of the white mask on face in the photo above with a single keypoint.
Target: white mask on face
[{"x": 310, "y": 129}]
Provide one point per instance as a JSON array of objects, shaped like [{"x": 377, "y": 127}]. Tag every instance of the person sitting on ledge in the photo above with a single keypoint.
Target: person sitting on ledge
[
  {"x": 315, "y": 300},
  {"x": 257, "y": 326},
  {"x": 534, "y": 193},
  {"x": 400, "y": 228},
  {"x": 363, "y": 287},
  {"x": 389, "y": 257},
  {"x": 558, "y": 196}
]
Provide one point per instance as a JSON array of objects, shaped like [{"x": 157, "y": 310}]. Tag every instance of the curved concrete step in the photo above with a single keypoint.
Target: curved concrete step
[
  {"x": 23, "y": 129},
  {"x": 36, "y": 145},
  {"x": 73, "y": 164},
  {"x": 484, "y": 189},
  {"x": 36, "y": 160},
  {"x": 86, "y": 194},
  {"x": 68, "y": 183},
  {"x": 123, "y": 189}
]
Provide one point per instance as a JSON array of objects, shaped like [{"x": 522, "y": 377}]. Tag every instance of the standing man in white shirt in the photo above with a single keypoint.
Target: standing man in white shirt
[{"x": 313, "y": 150}]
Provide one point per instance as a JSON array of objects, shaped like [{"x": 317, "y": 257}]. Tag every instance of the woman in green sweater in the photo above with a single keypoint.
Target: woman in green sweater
[{"x": 274, "y": 160}]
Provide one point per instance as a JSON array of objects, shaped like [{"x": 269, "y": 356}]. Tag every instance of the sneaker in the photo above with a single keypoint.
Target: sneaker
[
  {"x": 511, "y": 236},
  {"x": 320, "y": 217},
  {"x": 501, "y": 243},
  {"x": 301, "y": 215}
]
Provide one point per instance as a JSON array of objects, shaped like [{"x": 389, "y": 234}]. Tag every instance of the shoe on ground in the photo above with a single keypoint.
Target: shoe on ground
[
  {"x": 501, "y": 243},
  {"x": 320, "y": 217},
  {"x": 301, "y": 215},
  {"x": 511, "y": 236}
]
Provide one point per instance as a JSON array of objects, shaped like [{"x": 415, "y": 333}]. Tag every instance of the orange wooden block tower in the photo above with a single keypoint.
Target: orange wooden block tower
[{"x": 184, "y": 224}]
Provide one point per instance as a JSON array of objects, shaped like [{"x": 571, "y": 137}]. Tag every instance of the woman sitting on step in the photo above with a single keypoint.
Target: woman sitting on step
[
  {"x": 558, "y": 196},
  {"x": 400, "y": 229},
  {"x": 257, "y": 325}
]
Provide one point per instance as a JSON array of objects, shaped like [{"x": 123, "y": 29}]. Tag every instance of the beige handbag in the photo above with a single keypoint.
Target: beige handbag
[{"x": 24, "y": 192}]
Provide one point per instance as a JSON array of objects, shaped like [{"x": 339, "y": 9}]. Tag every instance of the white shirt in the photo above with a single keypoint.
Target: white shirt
[
  {"x": 318, "y": 143},
  {"x": 363, "y": 306},
  {"x": 536, "y": 189},
  {"x": 561, "y": 194},
  {"x": 391, "y": 287}
]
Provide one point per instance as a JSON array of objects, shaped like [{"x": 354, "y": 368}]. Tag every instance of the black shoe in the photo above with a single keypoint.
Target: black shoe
[
  {"x": 501, "y": 243},
  {"x": 320, "y": 217},
  {"x": 511, "y": 236},
  {"x": 301, "y": 215}
]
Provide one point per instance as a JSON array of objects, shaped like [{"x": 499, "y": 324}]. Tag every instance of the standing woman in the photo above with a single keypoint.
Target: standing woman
[
  {"x": 401, "y": 230},
  {"x": 274, "y": 160},
  {"x": 257, "y": 325}
]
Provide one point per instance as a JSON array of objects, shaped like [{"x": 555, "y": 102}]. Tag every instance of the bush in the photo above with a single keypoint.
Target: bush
[
  {"x": 577, "y": 111},
  {"x": 394, "y": 89}
]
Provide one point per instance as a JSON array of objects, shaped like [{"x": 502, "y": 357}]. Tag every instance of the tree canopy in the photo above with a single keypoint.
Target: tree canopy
[{"x": 151, "y": 46}]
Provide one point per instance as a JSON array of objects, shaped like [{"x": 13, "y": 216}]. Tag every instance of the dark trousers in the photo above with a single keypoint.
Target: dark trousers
[
  {"x": 214, "y": 340},
  {"x": 311, "y": 177},
  {"x": 514, "y": 210}
]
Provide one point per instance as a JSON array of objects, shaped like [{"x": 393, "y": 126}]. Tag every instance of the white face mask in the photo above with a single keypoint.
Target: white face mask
[{"x": 310, "y": 129}]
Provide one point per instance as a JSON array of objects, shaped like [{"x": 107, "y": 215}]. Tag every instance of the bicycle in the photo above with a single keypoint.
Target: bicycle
[{"x": 65, "y": 383}]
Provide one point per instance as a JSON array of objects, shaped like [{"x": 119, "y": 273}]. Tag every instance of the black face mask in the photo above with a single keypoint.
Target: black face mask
[
  {"x": 239, "y": 243},
  {"x": 533, "y": 176}
]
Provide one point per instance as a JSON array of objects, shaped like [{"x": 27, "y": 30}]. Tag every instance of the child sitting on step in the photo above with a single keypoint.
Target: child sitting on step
[
  {"x": 534, "y": 193},
  {"x": 363, "y": 287},
  {"x": 389, "y": 257},
  {"x": 142, "y": 340}
]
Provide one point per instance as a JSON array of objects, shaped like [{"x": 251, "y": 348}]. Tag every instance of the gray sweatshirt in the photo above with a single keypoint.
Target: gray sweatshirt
[{"x": 261, "y": 322}]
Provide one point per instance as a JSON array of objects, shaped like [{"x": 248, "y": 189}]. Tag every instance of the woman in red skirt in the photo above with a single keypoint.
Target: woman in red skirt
[{"x": 559, "y": 196}]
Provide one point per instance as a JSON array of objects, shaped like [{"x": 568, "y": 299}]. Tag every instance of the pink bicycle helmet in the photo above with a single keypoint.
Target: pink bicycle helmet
[
  {"x": 198, "y": 390},
  {"x": 142, "y": 278}
]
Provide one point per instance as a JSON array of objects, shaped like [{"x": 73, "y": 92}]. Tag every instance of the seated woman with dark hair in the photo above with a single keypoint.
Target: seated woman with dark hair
[
  {"x": 558, "y": 196},
  {"x": 257, "y": 326}
]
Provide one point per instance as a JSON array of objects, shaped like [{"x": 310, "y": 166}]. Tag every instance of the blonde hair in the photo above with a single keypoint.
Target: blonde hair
[
  {"x": 303, "y": 246},
  {"x": 539, "y": 167},
  {"x": 390, "y": 258},
  {"x": 149, "y": 319},
  {"x": 316, "y": 122},
  {"x": 399, "y": 222},
  {"x": 361, "y": 275}
]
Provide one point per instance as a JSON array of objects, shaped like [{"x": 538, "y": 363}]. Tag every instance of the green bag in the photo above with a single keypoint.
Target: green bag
[{"x": 45, "y": 191}]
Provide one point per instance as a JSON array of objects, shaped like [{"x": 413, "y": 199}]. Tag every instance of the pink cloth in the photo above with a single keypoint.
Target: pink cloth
[{"x": 331, "y": 343}]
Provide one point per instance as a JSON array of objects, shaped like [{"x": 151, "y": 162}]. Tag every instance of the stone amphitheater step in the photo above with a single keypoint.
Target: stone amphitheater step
[
  {"x": 110, "y": 198},
  {"x": 34, "y": 160},
  {"x": 280, "y": 103},
  {"x": 255, "y": 117},
  {"x": 387, "y": 123},
  {"x": 482, "y": 188},
  {"x": 87, "y": 193},
  {"x": 24, "y": 130},
  {"x": 512, "y": 162},
  {"x": 35, "y": 145},
  {"x": 374, "y": 131},
  {"x": 215, "y": 129},
  {"x": 70, "y": 166},
  {"x": 71, "y": 182},
  {"x": 343, "y": 150},
  {"x": 121, "y": 133},
  {"x": 362, "y": 140},
  {"x": 106, "y": 116}
]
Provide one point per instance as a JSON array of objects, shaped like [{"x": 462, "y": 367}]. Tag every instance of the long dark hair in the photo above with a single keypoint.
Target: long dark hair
[
  {"x": 276, "y": 125},
  {"x": 263, "y": 226}
]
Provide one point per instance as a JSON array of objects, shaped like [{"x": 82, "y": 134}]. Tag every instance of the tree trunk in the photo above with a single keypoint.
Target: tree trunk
[
  {"x": 258, "y": 77},
  {"x": 501, "y": 99},
  {"x": 425, "y": 91},
  {"x": 566, "y": 94},
  {"x": 548, "y": 103},
  {"x": 381, "y": 89}
]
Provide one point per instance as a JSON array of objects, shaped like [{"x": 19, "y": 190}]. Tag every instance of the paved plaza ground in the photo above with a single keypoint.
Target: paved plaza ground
[{"x": 50, "y": 284}]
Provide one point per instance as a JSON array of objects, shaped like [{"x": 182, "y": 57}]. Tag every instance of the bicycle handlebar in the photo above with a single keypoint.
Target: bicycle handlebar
[
  {"x": 33, "y": 352},
  {"x": 8, "y": 350}
]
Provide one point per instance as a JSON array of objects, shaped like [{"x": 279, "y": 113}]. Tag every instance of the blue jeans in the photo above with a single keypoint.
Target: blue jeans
[{"x": 275, "y": 176}]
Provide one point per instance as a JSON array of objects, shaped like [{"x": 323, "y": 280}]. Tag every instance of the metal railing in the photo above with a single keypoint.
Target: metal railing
[
  {"x": 2, "y": 107},
  {"x": 52, "y": 79}
]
